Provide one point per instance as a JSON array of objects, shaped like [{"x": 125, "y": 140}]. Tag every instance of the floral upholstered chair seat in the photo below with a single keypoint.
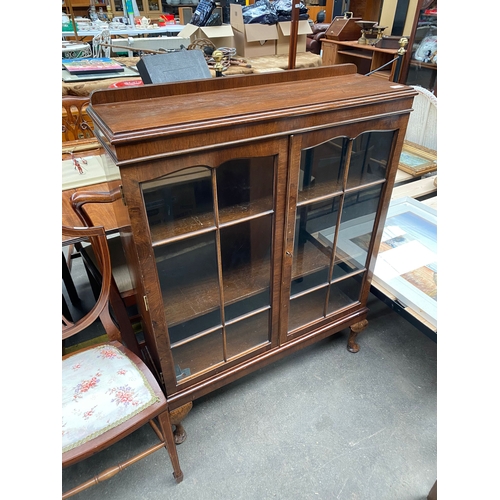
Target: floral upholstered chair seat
[{"x": 101, "y": 388}]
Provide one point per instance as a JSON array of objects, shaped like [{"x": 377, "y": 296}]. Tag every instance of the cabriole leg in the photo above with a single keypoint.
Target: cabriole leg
[
  {"x": 176, "y": 417},
  {"x": 352, "y": 345}
]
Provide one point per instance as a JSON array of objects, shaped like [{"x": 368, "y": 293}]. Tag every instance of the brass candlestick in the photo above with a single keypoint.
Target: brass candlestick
[{"x": 217, "y": 56}]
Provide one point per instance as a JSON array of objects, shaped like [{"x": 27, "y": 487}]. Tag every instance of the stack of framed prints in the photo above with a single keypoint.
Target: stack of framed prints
[
  {"x": 407, "y": 260},
  {"x": 417, "y": 160}
]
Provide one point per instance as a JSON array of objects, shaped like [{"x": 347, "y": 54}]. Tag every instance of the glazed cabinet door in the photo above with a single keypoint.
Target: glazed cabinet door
[
  {"x": 337, "y": 181},
  {"x": 216, "y": 234}
]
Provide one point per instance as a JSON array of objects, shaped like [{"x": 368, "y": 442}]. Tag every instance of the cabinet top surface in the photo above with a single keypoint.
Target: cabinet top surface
[{"x": 208, "y": 106}]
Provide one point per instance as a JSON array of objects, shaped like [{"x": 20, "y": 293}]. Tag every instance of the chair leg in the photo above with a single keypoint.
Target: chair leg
[
  {"x": 69, "y": 283},
  {"x": 166, "y": 429}
]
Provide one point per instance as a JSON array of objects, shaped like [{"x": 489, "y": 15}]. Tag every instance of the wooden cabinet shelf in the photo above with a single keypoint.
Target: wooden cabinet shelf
[
  {"x": 366, "y": 57},
  {"x": 240, "y": 241},
  {"x": 355, "y": 53},
  {"x": 239, "y": 285}
]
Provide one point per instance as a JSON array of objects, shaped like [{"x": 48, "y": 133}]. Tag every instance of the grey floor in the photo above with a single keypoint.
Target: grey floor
[{"x": 320, "y": 424}]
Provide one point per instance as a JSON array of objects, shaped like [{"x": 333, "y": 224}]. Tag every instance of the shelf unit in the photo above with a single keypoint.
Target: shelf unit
[
  {"x": 228, "y": 206},
  {"x": 365, "y": 57},
  {"x": 417, "y": 72},
  {"x": 148, "y": 8},
  {"x": 81, "y": 7},
  {"x": 151, "y": 9}
]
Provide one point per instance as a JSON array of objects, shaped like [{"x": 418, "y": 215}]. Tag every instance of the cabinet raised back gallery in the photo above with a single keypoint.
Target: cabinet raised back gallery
[{"x": 255, "y": 205}]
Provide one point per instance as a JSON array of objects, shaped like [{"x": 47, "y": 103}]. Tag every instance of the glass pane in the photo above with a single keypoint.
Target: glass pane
[
  {"x": 246, "y": 305},
  {"x": 246, "y": 263},
  {"x": 356, "y": 228},
  {"x": 179, "y": 203},
  {"x": 322, "y": 169},
  {"x": 187, "y": 272},
  {"x": 369, "y": 158},
  {"x": 247, "y": 334},
  {"x": 306, "y": 308},
  {"x": 198, "y": 354},
  {"x": 312, "y": 251},
  {"x": 344, "y": 293},
  {"x": 245, "y": 187}
]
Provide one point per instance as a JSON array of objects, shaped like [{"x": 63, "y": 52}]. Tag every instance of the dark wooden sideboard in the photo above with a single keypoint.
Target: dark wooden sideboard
[{"x": 231, "y": 185}]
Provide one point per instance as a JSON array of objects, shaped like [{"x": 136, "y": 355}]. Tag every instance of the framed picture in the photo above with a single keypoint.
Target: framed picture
[{"x": 417, "y": 160}]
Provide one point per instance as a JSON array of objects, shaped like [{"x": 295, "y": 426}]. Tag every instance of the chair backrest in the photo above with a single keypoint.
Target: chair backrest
[
  {"x": 75, "y": 122},
  {"x": 97, "y": 238},
  {"x": 422, "y": 125}
]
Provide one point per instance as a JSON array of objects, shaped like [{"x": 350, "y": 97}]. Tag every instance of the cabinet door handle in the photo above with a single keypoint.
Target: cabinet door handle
[{"x": 288, "y": 254}]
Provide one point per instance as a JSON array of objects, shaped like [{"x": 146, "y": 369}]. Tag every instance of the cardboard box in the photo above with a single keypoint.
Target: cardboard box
[
  {"x": 220, "y": 36},
  {"x": 284, "y": 32},
  {"x": 252, "y": 40}
]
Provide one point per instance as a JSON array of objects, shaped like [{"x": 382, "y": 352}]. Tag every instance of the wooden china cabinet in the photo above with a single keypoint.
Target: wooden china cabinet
[{"x": 244, "y": 195}]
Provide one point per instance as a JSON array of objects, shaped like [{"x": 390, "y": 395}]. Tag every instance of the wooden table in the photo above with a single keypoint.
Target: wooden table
[
  {"x": 127, "y": 31},
  {"x": 105, "y": 214},
  {"x": 261, "y": 64}
]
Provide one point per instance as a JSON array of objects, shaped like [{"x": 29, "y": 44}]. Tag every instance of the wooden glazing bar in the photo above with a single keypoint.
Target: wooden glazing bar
[
  {"x": 196, "y": 336},
  {"x": 218, "y": 252},
  {"x": 247, "y": 315}
]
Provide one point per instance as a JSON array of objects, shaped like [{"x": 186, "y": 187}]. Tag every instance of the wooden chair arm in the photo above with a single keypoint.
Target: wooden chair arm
[{"x": 81, "y": 198}]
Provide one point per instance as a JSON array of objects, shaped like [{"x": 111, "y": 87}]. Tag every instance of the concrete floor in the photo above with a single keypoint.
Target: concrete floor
[{"x": 320, "y": 424}]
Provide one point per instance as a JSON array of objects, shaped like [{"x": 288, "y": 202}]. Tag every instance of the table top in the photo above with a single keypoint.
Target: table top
[
  {"x": 169, "y": 28},
  {"x": 353, "y": 44},
  {"x": 67, "y": 46}
]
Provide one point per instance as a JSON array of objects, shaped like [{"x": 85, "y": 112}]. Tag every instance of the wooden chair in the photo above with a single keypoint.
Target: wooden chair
[
  {"x": 108, "y": 392},
  {"x": 76, "y": 125},
  {"x": 121, "y": 273}
]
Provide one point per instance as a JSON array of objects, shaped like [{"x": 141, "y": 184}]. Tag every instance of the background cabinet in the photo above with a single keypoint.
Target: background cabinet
[
  {"x": 148, "y": 8},
  {"x": 420, "y": 66},
  {"x": 81, "y": 7},
  {"x": 241, "y": 204}
]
